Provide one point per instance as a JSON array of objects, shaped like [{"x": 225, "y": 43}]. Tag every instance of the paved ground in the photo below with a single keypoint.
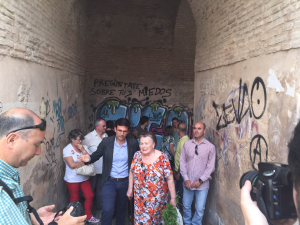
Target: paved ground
[{"x": 97, "y": 214}]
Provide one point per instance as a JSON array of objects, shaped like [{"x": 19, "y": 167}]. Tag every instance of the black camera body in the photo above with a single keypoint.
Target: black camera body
[
  {"x": 77, "y": 211},
  {"x": 272, "y": 189}
]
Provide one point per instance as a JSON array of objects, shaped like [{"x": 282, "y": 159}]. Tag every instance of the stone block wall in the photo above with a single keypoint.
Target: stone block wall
[{"x": 42, "y": 63}]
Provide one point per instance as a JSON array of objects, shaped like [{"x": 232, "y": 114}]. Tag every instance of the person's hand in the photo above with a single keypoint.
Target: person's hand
[
  {"x": 130, "y": 193},
  {"x": 84, "y": 158},
  {"x": 70, "y": 220},
  {"x": 177, "y": 175},
  {"x": 45, "y": 214},
  {"x": 251, "y": 212},
  {"x": 187, "y": 184},
  {"x": 173, "y": 202},
  {"x": 196, "y": 184},
  {"x": 80, "y": 147}
]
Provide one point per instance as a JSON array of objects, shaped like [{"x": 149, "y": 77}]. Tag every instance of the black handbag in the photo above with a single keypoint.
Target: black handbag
[{"x": 77, "y": 211}]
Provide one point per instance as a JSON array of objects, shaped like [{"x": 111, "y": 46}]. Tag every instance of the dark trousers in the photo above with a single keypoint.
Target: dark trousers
[
  {"x": 179, "y": 192},
  {"x": 96, "y": 187},
  {"x": 114, "y": 199}
]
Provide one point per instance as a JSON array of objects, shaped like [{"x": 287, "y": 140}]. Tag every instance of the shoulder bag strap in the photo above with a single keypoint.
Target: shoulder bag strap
[{"x": 28, "y": 199}]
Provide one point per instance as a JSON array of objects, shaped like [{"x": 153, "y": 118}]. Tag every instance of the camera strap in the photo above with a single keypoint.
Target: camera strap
[{"x": 27, "y": 198}]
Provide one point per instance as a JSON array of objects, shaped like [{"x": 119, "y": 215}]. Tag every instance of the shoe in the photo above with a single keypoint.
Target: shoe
[{"x": 93, "y": 220}]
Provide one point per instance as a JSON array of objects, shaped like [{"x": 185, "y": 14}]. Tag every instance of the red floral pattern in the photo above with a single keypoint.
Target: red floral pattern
[{"x": 150, "y": 189}]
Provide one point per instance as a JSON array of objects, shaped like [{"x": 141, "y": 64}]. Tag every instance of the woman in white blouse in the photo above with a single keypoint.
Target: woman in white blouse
[{"x": 74, "y": 181}]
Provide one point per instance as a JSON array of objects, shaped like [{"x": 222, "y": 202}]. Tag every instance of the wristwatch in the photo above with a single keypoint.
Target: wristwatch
[{"x": 201, "y": 181}]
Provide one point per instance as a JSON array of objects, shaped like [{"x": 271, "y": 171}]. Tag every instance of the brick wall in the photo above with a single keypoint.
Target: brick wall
[
  {"x": 42, "y": 63},
  {"x": 246, "y": 90},
  {"x": 137, "y": 40},
  {"x": 50, "y": 33},
  {"x": 233, "y": 31},
  {"x": 151, "y": 43}
]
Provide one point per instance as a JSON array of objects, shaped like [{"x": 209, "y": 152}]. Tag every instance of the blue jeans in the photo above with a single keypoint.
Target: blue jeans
[
  {"x": 179, "y": 192},
  {"x": 188, "y": 196},
  {"x": 114, "y": 195}
]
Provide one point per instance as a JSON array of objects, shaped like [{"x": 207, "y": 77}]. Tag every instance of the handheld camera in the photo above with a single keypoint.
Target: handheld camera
[{"x": 272, "y": 189}]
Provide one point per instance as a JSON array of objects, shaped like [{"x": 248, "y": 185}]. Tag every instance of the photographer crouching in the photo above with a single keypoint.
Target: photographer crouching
[{"x": 271, "y": 195}]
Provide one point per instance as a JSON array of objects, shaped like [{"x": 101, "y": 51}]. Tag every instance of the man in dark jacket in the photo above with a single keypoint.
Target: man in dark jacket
[{"x": 117, "y": 152}]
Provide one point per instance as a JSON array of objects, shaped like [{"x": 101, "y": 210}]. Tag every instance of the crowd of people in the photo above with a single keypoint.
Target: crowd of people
[
  {"x": 127, "y": 166},
  {"x": 133, "y": 168}
]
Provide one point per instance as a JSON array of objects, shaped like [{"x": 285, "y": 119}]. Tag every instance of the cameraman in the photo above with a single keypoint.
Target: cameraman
[
  {"x": 252, "y": 214},
  {"x": 21, "y": 135}
]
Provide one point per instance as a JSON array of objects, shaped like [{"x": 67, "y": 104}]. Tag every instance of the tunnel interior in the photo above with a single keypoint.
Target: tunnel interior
[{"x": 233, "y": 64}]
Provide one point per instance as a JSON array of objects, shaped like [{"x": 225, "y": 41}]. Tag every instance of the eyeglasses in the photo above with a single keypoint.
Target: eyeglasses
[
  {"x": 41, "y": 126},
  {"x": 196, "y": 149}
]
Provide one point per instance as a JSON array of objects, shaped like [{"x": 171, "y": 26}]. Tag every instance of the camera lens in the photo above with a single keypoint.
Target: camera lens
[{"x": 251, "y": 175}]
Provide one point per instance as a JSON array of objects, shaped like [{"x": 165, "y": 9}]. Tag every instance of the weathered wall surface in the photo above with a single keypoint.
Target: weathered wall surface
[
  {"x": 246, "y": 90},
  {"x": 140, "y": 55},
  {"x": 42, "y": 61}
]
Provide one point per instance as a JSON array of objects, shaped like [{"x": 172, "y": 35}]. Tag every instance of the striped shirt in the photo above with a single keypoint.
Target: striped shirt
[
  {"x": 193, "y": 167},
  {"x": 10, "y": 213}
]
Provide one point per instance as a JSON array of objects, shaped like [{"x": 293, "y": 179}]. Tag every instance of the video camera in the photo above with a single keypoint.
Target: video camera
[{"x": 272, "y": 189}]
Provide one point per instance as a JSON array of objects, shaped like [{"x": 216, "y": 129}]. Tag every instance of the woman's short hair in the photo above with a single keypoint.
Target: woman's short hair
[
  {"x": 75, "y": 134},
  {"x": 168, "y": 131},
  {"x": 150, "y": 135}
]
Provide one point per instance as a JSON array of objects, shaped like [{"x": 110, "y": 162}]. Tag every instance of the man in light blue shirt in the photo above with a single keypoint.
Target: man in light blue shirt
[
  {"x": 119, "y": 167},
  {"x": 117, "y": 152}
]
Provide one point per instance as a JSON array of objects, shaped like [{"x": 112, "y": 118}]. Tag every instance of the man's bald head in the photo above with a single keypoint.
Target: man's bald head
[
  {"x": 182, "y": 127},
  {"x": 202, "y": 124},
  {"x": 17, "y": 118}
]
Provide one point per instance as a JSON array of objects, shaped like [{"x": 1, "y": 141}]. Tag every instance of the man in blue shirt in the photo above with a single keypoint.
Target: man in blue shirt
[
  {"x": 117, "y": 152},
  {"x": 21, "y": 135}
]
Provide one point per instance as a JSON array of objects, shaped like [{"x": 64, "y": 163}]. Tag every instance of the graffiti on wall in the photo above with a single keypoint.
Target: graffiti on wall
[
  {"x": 239, "y": 103},
  {"x": 159, "y": 115},
  {"x": 127, "y": 89},
  {"x": 55, "y": 115},
  {"x": 72, "y": 110},
  {"x": 241, "y": 110}
]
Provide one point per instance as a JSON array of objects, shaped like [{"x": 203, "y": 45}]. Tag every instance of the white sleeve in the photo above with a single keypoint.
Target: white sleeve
[
  {"x": 87, "y": 149},
  {"x": 85, "y": 141},
  {"x": 67, "y": 151}
]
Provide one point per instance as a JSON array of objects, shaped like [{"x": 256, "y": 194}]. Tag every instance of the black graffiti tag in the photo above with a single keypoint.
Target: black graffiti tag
[
  {"x": 257, "y": 82},
  {"x": 258, "y": 148},
  {"x": 224, "y": 118},
  {"x": 223, "y": 111},
  {"x": 241, "y": 102}
]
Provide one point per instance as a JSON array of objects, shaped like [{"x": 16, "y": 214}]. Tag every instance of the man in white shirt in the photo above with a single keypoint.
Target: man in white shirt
[{"x": 92, "y": 140}]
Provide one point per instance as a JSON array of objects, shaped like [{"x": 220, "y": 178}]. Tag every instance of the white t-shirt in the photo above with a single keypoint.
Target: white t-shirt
[
  {"x": 70, "y": 174},
  {"x": 92, "y": 140}
]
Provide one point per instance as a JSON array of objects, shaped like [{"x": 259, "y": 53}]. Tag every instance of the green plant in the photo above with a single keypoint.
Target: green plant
[{"x": 169, "y": 215}]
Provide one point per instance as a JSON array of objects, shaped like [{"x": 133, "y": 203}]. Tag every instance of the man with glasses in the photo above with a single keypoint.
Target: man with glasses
[
  {"x": 117, "y": 152},
  {"x": 21, "y": 135},
  {"x": 197, "y": 162}
]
